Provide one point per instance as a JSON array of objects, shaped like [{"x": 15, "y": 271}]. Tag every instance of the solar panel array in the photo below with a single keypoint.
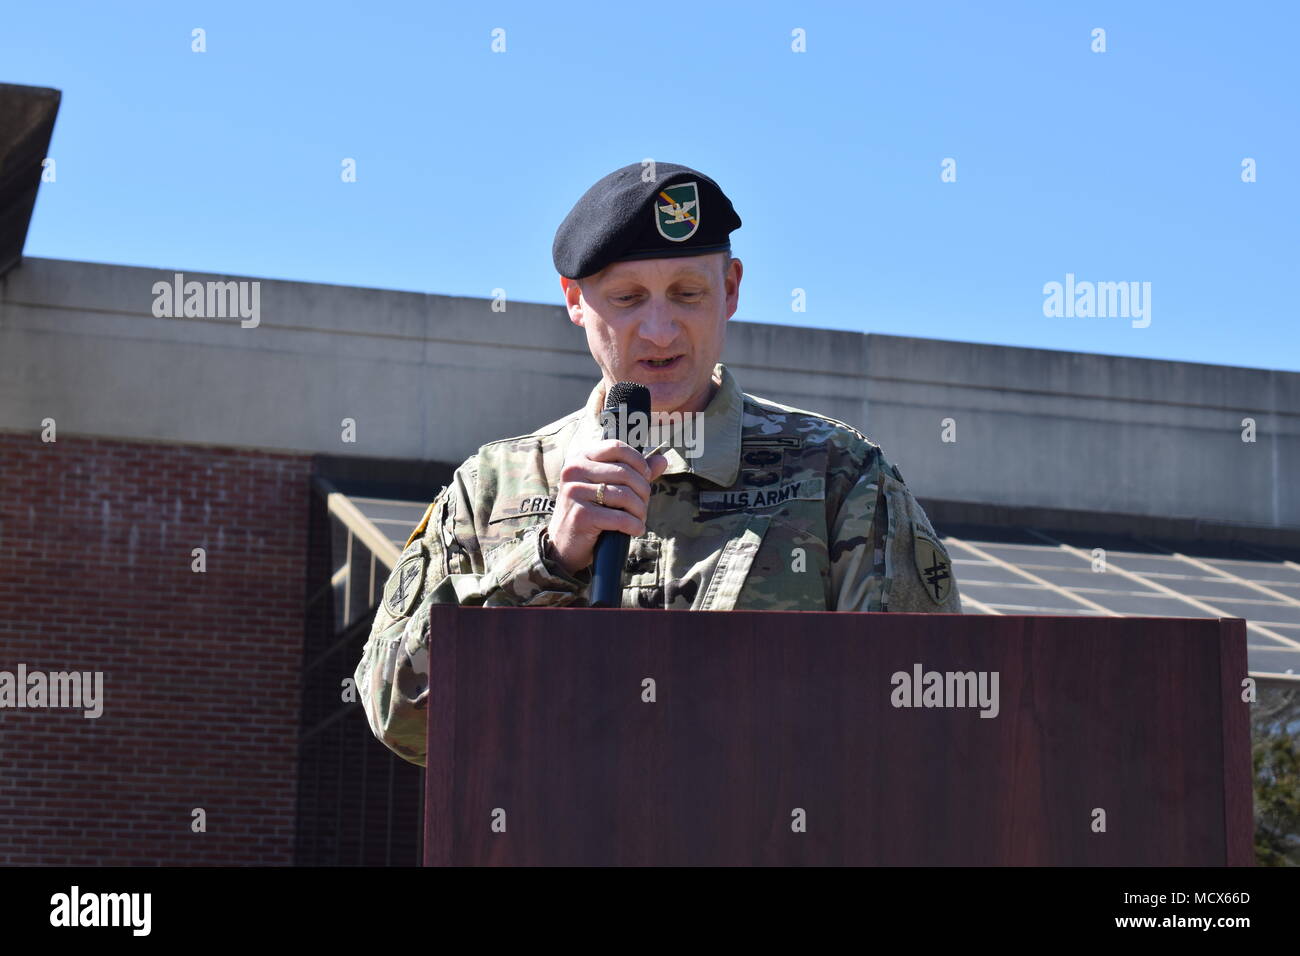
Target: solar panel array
[{"x": 1033, "y": 571}]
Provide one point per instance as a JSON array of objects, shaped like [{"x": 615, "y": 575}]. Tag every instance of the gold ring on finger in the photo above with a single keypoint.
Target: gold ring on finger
[{"x": 600, "y": 493}]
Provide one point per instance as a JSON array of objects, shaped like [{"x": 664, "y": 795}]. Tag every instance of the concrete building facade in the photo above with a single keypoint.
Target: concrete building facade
[{"x": 130, "y": 439}]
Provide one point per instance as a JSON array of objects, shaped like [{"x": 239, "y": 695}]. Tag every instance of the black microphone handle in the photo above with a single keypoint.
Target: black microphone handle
[
  {"x": 610, "y": 554},
  {"x": 607, "y": 569}
]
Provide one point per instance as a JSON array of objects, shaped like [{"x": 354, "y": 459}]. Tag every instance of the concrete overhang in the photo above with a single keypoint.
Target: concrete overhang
[{"x": 26, "y": 124}]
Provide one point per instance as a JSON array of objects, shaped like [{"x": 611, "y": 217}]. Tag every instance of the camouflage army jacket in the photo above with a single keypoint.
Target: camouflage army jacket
[{"x": 783, "y": 509}]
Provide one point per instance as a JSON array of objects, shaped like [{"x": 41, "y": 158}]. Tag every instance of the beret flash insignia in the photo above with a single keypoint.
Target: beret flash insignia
[{"x": 677, "y": 211}]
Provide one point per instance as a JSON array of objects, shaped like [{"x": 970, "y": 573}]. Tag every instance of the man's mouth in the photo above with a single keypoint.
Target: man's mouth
[{"x": 659, "y": 364}]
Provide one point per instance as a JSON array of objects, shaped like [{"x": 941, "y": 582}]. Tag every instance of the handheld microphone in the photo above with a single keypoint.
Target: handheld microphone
[{"x": 610, "y": 555}]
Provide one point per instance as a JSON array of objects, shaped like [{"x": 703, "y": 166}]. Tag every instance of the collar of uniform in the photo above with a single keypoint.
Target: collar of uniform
[{"x": 719, "y": 436}]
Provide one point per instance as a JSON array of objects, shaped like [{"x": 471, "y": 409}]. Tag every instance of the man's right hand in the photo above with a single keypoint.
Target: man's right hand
[{"x": 577, "y": 520}]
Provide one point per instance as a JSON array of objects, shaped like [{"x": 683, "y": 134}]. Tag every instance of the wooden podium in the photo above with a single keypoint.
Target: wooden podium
[{"x": 773, "y": 739}]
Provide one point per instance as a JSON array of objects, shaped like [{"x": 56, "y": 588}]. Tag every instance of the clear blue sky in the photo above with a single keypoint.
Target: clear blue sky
[{"x": 1115, "y": 166}]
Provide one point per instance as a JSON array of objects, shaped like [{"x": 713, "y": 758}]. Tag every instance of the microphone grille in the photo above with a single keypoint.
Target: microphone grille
[{"x": 636, "y": 397}]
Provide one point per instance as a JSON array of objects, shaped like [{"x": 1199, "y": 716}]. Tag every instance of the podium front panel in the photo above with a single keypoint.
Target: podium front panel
[{"x": 624, "y": 737}]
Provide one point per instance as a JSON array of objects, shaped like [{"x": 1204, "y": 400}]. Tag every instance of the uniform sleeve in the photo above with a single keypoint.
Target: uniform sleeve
[
  {"x": 444, "y": 565},
  {"x": 885, "y": 555}
]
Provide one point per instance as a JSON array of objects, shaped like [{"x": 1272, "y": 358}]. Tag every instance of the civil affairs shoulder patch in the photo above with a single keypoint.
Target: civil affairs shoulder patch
[
  {"x": 677, "y": 211},
  {"x": 933, "y": 566},
  {"x": 404, "y": 583}
]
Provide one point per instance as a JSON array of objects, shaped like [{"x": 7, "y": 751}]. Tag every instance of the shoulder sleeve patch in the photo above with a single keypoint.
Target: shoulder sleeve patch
[
  {"x": 404, "y": 583},
  {"x": 932, "y": 565}
]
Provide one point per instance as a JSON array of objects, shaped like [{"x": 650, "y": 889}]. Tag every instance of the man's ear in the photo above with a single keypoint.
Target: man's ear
[
  {"x": 572, "y": 299},
  {"x": 735, "y": 269}
]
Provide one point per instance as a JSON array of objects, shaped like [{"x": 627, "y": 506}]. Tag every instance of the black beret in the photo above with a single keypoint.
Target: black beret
[{"x": 680, "y": 212}]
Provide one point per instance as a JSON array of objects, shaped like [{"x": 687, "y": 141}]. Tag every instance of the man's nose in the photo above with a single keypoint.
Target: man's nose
[{"x": 658, "y": 325}]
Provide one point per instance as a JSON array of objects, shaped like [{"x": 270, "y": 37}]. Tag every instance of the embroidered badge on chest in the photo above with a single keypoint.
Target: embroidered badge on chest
[
  {"x": 933, "y": 566},
  {"x": 759, "y": 478},
  {"x": 403, "y": 585},
  {"x": 761, "y": 457}
]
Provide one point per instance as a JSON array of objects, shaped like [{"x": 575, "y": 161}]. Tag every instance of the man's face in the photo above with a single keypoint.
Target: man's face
[{"x": 646, "y": 309}]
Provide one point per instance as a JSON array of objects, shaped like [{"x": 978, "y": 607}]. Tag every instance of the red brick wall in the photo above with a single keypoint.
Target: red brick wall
[{"x": 201, "y": 671}]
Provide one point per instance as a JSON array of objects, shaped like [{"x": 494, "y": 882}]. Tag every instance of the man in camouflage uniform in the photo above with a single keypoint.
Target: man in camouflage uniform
[{"x": 778, "y": 508}]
